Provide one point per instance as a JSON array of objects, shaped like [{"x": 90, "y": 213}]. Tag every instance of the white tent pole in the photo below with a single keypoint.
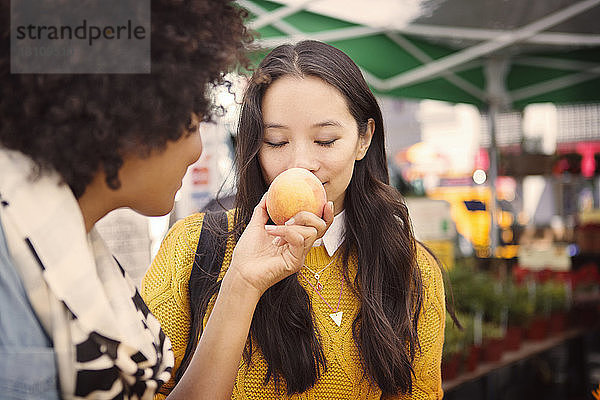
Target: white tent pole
[
  {"x": 554, "y": 84},
  {"x": 435, "y": 67},
  {"x": 548, "y": 38},
  {"x": 371, "y": 79},
  {"x": 259, "y": 11},
  {"x": 448, "y": 75},
  {"x": 566, "y": 39},
  {"x": 496, "y": 70},
  {"x": 493, "y": 176},
  {"x": 454, "y": 32},
  {"x": 326, "y": 36},
  {"x": 555, "y": 63},
  {"x": 278, "y": 14}
]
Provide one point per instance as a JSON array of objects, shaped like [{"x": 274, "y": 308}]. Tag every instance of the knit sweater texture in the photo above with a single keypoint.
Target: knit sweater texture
[{"x": 165, "y": 290}]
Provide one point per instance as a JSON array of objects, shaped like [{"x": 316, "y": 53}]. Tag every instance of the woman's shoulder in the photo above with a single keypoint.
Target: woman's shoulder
[
  {"x": 425, "y": 257},
  {"x": 189, "y": 228},
  {"x": 431, "y": 272},
  {"x": 171, "y": 267}
]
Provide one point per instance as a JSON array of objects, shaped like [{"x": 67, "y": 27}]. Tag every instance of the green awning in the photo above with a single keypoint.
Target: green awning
[{"x": 542, "y": 52}]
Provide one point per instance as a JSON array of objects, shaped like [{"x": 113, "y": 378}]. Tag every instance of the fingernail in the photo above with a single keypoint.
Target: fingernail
[
  {"x": 331, "y": 205},
  {"x": 276, "y": 241},
  {"x": 269, "y": 228},
  {"x": 290, "y": 221}
]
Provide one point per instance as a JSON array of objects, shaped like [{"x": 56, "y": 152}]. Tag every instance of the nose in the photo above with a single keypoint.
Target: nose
[{"x": 304, "y": 157}]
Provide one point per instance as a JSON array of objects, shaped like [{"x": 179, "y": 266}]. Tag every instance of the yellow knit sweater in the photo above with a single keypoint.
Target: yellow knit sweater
[{"x": 165, "y": 290}]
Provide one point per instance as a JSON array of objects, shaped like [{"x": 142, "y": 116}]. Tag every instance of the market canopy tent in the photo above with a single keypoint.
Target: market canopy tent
[
  {"x": 512, "y": 53},
  {"x": 496, "y": 55}
]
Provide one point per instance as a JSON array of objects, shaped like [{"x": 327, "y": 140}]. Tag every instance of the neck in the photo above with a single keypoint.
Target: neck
[
  {"x": 338, "y": 207},
  {"x": 97, "y": 201}
]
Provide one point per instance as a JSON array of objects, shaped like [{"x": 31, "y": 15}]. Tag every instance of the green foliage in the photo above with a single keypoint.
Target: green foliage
[
  {"x": 556, "y": 294},
  {"x": 491, "y": 330},
  {"x": 520, "y": 307},
  {"x": 456, "y": 340},
  {"x": 467, "y": 289},
  {"x": 494, "y": 299},
  {"x": 467, "y": 322},
  {"x": 499, "y": 302},
  {"x": 543, "y": 299},
  {"x": 453, "y": 339},
  {"x": 476, "y": 291}
]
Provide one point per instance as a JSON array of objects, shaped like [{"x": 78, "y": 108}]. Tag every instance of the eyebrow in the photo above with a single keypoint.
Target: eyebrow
[
  {"x": 275, "y": 125},
  {"x": 317, "y": 125},
  {"x": 328, "y": 122}
]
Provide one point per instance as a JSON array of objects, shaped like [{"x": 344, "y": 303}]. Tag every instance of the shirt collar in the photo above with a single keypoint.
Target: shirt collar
[{"x": 334, "y": 236}]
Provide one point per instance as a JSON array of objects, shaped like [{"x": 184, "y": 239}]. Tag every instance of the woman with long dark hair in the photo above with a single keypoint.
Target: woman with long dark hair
[{"x": 364, "y": 317}]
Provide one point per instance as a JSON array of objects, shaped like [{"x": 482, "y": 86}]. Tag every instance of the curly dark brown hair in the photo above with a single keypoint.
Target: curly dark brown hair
[{"x": 80, "y": 124}]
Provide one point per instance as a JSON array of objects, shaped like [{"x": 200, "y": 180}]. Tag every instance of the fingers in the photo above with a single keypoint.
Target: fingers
[
  {"x": 304, "y": 218},
  {"x": 260, "y": 215},
  {"x": 298, "y": 237},
  {"x": 328, "y": 214},
  {"x": 295, "y": 232}
]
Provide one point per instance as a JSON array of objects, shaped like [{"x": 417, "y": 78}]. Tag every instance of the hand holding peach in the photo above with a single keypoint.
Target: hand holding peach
[{"x": 292, "y": 191}]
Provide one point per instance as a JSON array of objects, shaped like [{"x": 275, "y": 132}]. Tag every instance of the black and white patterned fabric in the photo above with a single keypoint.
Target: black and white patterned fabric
[{"x": 107, "y": 343}]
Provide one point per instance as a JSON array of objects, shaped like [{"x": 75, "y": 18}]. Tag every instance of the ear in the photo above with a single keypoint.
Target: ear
[
  {"x": 365, "y": 140},
  {"x": 194, "y": 122}
]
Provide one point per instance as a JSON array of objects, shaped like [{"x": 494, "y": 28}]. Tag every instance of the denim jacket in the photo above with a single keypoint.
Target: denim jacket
[{"x": 27, "y": 363}]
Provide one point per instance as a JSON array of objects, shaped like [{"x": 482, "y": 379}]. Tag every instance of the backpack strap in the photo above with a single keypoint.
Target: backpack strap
[
  {"x": 208, "y": 261},
  {"x": 209, "y": 255}
]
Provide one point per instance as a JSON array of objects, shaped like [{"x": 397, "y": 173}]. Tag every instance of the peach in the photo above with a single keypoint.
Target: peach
[{"x": 292, "y": 191}]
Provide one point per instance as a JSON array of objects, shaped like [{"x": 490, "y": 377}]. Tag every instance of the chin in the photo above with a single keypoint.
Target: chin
[{"x": 155, "y": 210}]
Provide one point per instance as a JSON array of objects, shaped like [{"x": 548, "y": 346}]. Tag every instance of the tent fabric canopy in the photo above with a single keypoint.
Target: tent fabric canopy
[{"x": 511, "y": 53}]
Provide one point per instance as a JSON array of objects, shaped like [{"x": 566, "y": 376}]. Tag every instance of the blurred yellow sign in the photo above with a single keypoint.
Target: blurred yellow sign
[{"x": 469, "y": 208}]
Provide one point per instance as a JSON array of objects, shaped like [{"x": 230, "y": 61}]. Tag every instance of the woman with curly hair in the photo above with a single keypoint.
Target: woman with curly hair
[
  {"x": 73, "y": 147},
  {"x": 364, "y": 318}
]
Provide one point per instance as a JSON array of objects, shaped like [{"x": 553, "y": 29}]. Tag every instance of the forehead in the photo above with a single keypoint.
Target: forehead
[{"x": 309, "y": 99}]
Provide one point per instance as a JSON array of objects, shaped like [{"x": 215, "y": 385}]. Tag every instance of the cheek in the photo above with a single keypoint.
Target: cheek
[
  {"x": 194, "y": 147},
  {"x": 270, "y": 166},
  {"x": 345, "y": 178},
  {"x": 342, "y": 173},
  {"x": 343, "y": 164}
]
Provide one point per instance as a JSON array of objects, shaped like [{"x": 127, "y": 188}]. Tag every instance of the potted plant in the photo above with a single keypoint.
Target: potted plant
[
  {"x": 558, "y": 306},
  {"x": 495, "y": 305},
  {"x": 477, "y": 299},
  {"x": 493, "y": 342},
  {"x": 451, "y": 352},
  {"x": 472, "y": 350},
  {"x": 466, "y": 288},
  {"x": 520, "y": 312},
  {"x": 538, "y": 328}
]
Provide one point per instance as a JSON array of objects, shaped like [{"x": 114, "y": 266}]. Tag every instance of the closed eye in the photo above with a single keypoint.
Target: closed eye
[
  {"x": 275, "y": 144},
  {"x": 326, "y": 143}
]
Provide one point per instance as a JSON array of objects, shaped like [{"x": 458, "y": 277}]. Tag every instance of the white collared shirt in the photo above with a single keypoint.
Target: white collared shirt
[{"x": 334, "y": 236}]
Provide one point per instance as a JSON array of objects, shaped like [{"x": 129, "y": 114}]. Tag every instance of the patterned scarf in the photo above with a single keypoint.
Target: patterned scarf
[{"x": 107, "y": 343}]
